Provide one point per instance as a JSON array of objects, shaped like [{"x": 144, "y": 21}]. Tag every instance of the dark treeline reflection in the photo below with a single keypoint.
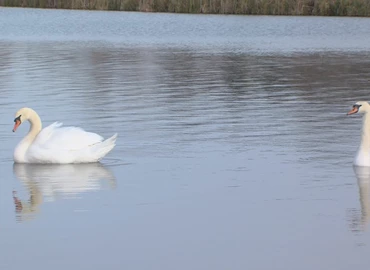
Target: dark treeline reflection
[
  {"x": 174, "y": 75},
  {"x": 178, "y": 74}
]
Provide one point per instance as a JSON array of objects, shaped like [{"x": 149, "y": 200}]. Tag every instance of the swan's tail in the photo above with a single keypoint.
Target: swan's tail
[{"x": 102, "y": 149}]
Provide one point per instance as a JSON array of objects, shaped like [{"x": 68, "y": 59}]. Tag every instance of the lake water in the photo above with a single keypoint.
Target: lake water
[{"x": 234, "y": 148}]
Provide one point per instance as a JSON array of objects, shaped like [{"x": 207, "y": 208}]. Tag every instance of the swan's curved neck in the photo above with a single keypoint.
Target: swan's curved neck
[
  {"x": 365, "y": 136},
  {"x": 35, "y": 127},
  {"x": 24, "y": 144}
]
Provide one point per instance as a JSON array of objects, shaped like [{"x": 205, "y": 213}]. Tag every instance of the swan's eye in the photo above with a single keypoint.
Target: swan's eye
[
  {"x": 357, "y": 106},
  {"x": 18, "y": 119}
]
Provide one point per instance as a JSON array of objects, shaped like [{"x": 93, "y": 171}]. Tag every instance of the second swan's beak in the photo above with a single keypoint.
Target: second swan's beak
[
  {"x": 354, "y": 110},
  {"x": 16, "y": 125}
]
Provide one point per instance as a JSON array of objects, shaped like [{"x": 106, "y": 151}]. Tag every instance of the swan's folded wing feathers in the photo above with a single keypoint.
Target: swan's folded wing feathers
[
  {"x": 74, "y": 138},
  {"x": 46, "y": 133},
  {"x": 66, "y": 138}
]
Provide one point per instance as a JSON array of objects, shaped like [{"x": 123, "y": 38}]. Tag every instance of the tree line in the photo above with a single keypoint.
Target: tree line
[{"x": 248, "y": 7}]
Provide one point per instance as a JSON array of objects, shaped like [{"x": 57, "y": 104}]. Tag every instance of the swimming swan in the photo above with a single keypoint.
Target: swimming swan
[
  {"x": 57, "y": 144},
  {"x": 362, "y": 157}
]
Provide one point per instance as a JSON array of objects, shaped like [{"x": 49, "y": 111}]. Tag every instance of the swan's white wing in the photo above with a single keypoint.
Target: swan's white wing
[
  {"x": 46, "y": 133},
  {"x": 55, "y": 137},
  {"x": 57, "y": 144}
]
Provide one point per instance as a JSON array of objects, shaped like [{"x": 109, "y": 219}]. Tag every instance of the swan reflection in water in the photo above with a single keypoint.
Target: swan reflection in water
[
  {"x": 360, "y": 222},
  {"x": 50, "y": 182}
]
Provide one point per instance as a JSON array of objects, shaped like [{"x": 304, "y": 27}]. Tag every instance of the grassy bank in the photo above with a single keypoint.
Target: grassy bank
[{"x": 255, "y": 7}]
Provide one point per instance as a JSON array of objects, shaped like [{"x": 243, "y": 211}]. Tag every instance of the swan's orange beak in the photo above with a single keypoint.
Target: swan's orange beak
[
  {"x": 16, "y": 125},
  {"x": 354, "y": 110}
]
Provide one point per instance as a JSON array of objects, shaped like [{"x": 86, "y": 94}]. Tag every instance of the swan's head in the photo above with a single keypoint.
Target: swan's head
[
  {"x": 360, "y": 107},
  {"x": 20, "y": 116}
]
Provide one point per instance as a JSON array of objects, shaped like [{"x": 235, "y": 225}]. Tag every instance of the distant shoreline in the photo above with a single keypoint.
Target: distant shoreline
[{"x": 353, "y": 8}]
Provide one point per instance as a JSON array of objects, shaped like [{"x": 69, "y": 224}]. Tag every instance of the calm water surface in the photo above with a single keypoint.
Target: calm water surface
[{"x": 234, "y": 148}]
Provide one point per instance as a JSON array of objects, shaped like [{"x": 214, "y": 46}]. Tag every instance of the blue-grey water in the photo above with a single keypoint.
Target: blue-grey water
[{"x": 234, "y": 148}]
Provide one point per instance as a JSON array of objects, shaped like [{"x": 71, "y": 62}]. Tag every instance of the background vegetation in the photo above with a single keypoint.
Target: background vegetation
[{"x": 255, "y": 7}]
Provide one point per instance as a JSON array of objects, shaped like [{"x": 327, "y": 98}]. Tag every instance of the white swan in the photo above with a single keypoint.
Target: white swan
[
  {"x": 362, "y": 157},
  {"x": 56, "y": 144}
]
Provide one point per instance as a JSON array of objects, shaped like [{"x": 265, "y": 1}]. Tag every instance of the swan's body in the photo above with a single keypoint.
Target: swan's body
[
  {"x": 57, "y": 144},
  {"x": 362, "y": 157}
]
